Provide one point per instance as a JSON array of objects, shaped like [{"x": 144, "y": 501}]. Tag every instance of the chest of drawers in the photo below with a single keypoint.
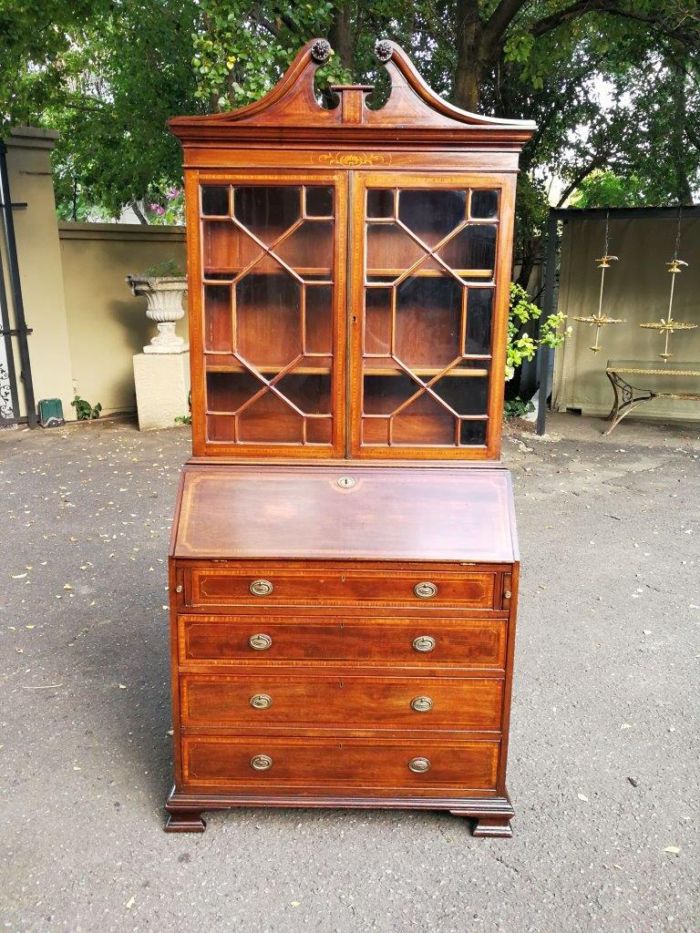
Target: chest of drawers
[{"x": 378, "y": 676}]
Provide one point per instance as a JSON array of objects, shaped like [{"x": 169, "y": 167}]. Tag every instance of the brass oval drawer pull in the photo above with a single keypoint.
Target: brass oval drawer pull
[
  {"x": 261, "y": 701},
  {"x": 419, "y": 765},
  {"x": 261, "y": 762},
  {"x": 421, "y": 704},
  {"x": 260, "y": 642},
  {"x": 261, "y": 587},
  {"x": 507, "y": 594},
  {"x": 424, "y": 643},
  {"x": 425, "y": 590}
]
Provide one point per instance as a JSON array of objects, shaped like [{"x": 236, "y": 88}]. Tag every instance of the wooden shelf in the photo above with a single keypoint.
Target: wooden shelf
[
  {"x": 428, "y": 273},
  {"x": 423, "y": 371},
  {"x": 303, "y": 271},
  {"x": 268, "y": 369}
]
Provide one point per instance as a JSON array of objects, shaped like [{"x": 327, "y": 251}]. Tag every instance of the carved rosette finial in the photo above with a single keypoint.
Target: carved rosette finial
[
  {"x": 382, "y": 49},
  {"x": 321, "y": 51}
]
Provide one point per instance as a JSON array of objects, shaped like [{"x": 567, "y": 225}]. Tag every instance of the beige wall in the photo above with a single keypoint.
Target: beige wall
[
  {"x": 39, "y": 259},
  {"x": 637, "y": 290},
  {"x": 106, "y": 324},
  {"x": 86, "y": 324}
]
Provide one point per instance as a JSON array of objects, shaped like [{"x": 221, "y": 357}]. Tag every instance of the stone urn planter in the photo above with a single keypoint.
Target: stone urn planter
[{"x": 165, "y": 295}]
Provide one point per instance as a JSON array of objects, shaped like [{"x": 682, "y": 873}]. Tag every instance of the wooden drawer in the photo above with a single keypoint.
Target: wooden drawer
[
  {"x": 311, "y": 700},
  {"x": 312, "y": 765},
  {"x": 310, "y": 584},
  {"x": 217, "y": 640}
]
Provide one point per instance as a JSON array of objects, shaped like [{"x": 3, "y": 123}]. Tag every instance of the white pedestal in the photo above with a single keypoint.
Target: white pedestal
[{"x": 162, "y": 385}]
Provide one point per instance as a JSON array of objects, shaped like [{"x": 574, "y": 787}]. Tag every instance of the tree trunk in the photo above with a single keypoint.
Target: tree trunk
[
  {"x": 470, "y": 64},
  {"x": 341, "y": 34},
  {"x": 677, "y": 140}
]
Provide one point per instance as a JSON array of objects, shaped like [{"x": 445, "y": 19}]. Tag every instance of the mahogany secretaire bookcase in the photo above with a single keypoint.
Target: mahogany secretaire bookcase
[{"x": 344, "y": 566}]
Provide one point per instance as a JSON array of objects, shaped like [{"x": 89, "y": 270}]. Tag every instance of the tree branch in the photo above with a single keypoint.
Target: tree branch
[
  {"x": 582, "y": 7},
  {"x": 501, "y": 18},
  {"x": 582, "y": 175}
]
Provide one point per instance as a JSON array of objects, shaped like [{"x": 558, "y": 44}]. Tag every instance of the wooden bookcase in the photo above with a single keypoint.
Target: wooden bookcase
[{"x": 348, "y": 285}]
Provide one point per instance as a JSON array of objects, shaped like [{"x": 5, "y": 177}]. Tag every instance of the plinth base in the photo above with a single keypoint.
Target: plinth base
[{"x": 162, "y": 385}]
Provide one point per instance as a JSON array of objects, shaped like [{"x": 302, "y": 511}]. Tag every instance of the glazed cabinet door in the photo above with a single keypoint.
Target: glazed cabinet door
[
  {"x": 430, "y": 274},
  {"x": 267, "y": 256}
]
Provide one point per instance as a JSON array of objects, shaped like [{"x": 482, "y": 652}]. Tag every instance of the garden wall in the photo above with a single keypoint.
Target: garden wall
[
  {"x": 86, "y": 326},
  {"x": 106, "y": 324},
  {"x": 637, "y": 290}
]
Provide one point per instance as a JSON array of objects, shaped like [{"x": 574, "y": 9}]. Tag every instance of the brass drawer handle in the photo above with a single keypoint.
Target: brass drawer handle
[
  {"x": 424, "y": 643},
  {"x": 507, "y": 594},
  {"x": 421, "y": 704},
  {"x": 425, "y": 590},
  {"x": 261, "y": 587},
  {"x": 260, "y": 642},
  {"x": 419, "y": 765},
  {"x": 261, "y": 701},
  {"x": 261, "y": 762}
]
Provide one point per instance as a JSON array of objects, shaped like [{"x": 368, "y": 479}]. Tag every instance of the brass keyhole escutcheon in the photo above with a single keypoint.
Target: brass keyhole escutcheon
[
  {"x": 260, "y": 642},
  {"x": 419, "y": 765},
  {"x": 421, "y": 704},
  {"x": 261, "y": 587},
  {"x": 425, "y": 590},
  {"x": 424, "y": 643},
  {"x": 261, "y": 701},
  {"x": 346, "y": 482},
  {"x": 261, "y": 762}
]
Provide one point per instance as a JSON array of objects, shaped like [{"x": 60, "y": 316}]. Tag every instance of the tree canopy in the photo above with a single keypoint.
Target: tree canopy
[{"x": 612, "y": 84}]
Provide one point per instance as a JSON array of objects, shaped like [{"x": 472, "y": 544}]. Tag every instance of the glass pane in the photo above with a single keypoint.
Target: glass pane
[
  {"x": 472, "y": 432},
  {"x": 428, "y": 319},
  {"x": 319, "y": 202},
  {"x": 218, "y": 318},
  {"x": 378, "y": 320},
  {"x": 484, "y": 204},
  {"x": 319, "y": 430},
  {"x": 220, "y": 427},
  {"x": 466, "y": 395},
  {"x": 226, "y": 248},
  {"x": 380, "y": 202},
  {"x": 310, "y": 393},
  {"x": 472, "y": 248},
  {"x": 270, "y": 420},
  {"x": 268, "y": 319},
  {"x": 227, "y": 391},
  {"x": 215, "y": 200},
  {"x": 384, "y": 394},
  {"x": 390, "y": 250},
  {"x": 319, "y": 319},
  {"x": 309, "y": 247},
  {"x": 424, "y": 421},
  {"x": 432, "y": 214},
  {"x": 479, "y": 316},
  {"x": 375, "y": 431},
  {"x": 267, "y": 211}
]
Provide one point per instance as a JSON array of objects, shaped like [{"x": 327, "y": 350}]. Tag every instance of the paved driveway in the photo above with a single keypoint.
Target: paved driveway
[{"x": 604, "y": 749}]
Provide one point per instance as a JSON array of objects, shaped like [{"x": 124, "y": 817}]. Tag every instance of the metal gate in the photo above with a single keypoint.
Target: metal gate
[{"x": 15, "y": 367}]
